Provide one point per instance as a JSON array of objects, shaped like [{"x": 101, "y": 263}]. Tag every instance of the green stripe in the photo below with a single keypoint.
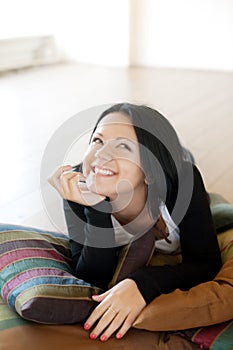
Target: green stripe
[
  {"x": 6, "y": 313},
  {"x": 11, "y": 236},
  {"x": 30, "y": 264},
  {"x": 225, "y": 340},
  {"x": 9, "y": 318},
  {"x": 12, "y": 323}
]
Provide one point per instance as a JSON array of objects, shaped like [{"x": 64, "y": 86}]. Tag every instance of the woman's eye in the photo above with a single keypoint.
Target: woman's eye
[
  {"x": 124, "y": 146},
  {"x": 97, "y": 140}
]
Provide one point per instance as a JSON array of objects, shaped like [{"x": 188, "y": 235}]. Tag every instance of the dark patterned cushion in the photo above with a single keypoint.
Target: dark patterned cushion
[
  {"x": 36, "y": 277},
  {"x": 133, "y": 256}
]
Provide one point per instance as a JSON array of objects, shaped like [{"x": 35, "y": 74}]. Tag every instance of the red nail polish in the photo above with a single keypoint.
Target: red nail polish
[
  {"x": 93, "y": 336},
  {"x": 103, "y": 338},
  {"x": 119, "y": 336},
  {"x": 86, "y": 326}
]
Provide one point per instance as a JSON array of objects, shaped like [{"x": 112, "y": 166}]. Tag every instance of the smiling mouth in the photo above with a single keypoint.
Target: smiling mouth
[{"x": 102, "y": 171}]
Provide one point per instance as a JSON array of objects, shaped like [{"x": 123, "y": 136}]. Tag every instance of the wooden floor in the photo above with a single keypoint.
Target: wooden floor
[{"x": 34, "y": 103}]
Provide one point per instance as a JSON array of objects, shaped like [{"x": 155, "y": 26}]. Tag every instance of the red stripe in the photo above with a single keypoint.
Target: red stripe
[
  {"x": 20, "y": 254},
  {"x": 207, "y": 335},
  {"x": 226, "y": 246},
  {"x": 27, "y": 275}
]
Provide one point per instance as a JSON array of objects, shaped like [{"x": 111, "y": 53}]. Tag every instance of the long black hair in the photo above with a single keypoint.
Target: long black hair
[{"x": 161, "y": 154}]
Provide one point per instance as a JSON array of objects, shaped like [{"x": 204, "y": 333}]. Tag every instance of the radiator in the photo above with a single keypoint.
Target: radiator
[{"x": 27, "y": 52}]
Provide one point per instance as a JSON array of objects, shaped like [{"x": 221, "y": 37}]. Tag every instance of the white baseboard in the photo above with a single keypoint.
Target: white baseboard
[{"x": 27, "y": 52}]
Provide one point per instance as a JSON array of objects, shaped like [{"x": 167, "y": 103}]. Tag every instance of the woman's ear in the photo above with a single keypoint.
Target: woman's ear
[{"x": 146, "y": 181}]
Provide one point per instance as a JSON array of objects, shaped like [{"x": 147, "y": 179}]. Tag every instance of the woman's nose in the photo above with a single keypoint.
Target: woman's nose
[{"x": 105, "y": 152}]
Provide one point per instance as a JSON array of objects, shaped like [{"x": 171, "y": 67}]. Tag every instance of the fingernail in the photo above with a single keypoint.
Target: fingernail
[
  {"x": 103, "y": 338},
  {"x": 86, "y": 326},
  {"x": 93, "y": 336},
  {"x": 119, "y": 336}
]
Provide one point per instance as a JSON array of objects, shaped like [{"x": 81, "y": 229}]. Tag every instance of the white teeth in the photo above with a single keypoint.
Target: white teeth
[{"x": 103, "y": 171}]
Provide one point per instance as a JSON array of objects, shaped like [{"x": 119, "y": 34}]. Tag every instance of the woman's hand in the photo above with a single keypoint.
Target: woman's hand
[
  {"x": 71, "y": 186},
  {"x": 118, "y": 309}
]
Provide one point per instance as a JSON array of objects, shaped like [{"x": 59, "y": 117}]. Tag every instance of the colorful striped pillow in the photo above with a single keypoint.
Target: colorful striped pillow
[
  {"x": 225, "y": 241},
  {"x": 217, "y": 337},
  {"x": 36, "y": 277},
  {"x": 222, "y": 212}
]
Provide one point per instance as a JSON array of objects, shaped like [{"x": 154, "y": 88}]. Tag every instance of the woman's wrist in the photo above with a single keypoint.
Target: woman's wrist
[{"x": 135, "y": 286}]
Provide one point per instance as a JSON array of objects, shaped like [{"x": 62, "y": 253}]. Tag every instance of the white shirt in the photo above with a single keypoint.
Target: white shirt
[
  {"x": 162, "y": 245},
  {"x": 123, "y": 237}
]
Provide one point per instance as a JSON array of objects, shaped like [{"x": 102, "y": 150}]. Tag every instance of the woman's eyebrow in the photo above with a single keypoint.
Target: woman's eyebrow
[
  {"x": 118, "y": 138},
  {"x": 125, "y": 138}
]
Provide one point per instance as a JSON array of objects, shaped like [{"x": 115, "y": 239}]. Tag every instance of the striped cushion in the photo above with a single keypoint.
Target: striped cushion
[
  {"x": 225, "y": 241},
  {"x": 217, "y": 337},
  {"x": 36, "y": 277}
]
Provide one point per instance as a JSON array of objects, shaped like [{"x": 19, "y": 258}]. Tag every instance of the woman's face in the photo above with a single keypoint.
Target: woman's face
[{"x": 111, "y": 163}]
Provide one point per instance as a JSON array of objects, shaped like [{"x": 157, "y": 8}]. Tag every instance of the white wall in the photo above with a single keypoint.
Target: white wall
[
  {"x": 90, "y": 31},
  {"x": 166, "y": 33},
  {"x": 182, "y": 33},
  {"x": 95, "y": 31}
]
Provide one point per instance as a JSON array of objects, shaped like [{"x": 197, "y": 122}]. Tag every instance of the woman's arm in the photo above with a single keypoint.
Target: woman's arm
[
  {"x": 75, "y": 222},
  {"x": 202, "y": 305},
  {"x": 92, "y": 241},
  {"x": 200, "y": 251},
  {"x": 88, "y": 217}
]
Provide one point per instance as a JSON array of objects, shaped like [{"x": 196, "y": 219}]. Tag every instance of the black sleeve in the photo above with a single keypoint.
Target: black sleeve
[
  {"x": 201, "y": 258},
  {"x": 75, "y": 222},
  {"x": 92, "y": 241}
]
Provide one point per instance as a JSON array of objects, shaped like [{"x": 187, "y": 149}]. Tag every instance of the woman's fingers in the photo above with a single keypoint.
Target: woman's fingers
[
  {"x": 126, "y": 326},
  {"x": 111, "y": 321},
  {"x": 101, "y": 297},
  {"x": 54, "y": 180},
  {"x": 98, "y": 311},
  {"x": 66, "y": 180},
  {"x": 71, "y": 186},
  {"x": 95, "y": 315},
  {"x": 106, "y": 319},
  {"x": 114, "y": 325},
  {"x": 118, "y": 309},
  {"x": 81, "y": 177}
]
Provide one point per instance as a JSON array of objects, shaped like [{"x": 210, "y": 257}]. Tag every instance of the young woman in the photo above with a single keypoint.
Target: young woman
[{"x": 135, "y": 174}]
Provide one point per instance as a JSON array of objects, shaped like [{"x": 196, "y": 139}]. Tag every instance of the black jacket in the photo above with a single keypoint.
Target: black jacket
[{"x": 201, "y": 258}]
